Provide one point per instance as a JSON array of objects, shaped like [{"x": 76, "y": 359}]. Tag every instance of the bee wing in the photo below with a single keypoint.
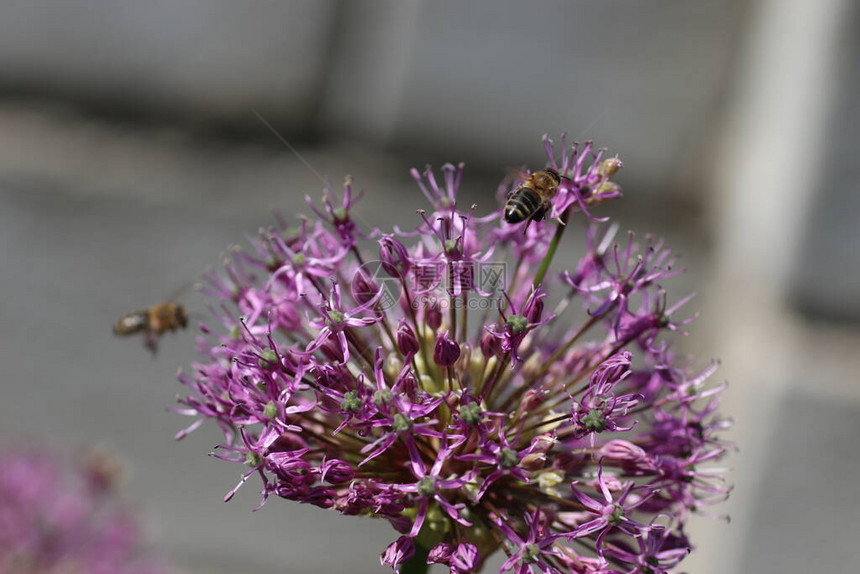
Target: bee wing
[
  {"x": 515, "y": 177},
  {"x": 519, "y": 174},
  {"x": 179, "y": 292}
]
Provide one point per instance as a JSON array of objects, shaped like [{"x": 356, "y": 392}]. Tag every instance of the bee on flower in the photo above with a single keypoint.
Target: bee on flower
[{"x": 571, "y": 440}]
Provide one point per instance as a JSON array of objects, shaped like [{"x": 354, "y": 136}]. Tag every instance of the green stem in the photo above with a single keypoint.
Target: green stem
[
  {"x": 553, "y": 246},
  {"x": 418, "y": 563},
  {"x": 419, "y": 330}
]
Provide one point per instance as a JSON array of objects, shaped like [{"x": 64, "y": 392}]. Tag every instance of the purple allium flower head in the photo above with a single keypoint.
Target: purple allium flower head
[
  {"x": 470, "y": 393},
  {"x": 56, "y": 518}
]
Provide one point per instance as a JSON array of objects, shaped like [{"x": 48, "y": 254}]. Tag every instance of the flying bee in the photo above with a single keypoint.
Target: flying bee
[
  {"x": 152, "y": 322},
  {"x": 531, "y": 201}
]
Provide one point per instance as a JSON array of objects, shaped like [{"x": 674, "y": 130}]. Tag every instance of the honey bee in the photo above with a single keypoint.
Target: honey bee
[
  {"x": 531, "y": 201},
  {"x": 152, "y": 322}
]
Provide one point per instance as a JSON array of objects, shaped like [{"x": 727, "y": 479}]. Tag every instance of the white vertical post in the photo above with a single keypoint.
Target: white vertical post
[{"x": 764, "y": 173}]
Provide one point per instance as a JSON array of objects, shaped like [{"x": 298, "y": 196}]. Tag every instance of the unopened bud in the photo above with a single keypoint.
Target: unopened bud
[
  {"x": 433, "y": 315},
  {"x": 447, "y": 351},
  {"x": 394, "y": 256},
  {"x": 532, "y": 399},
  {"x": 548, "y": 481},
  {"x": 465, "y": 357},
  {"x": 363, "y": 288},
  {"x": 407, "y": 342},
  {"x": 535, "y": 310},
  {"x": 609, "y": 167},
  {"x": 490, "y": 345},
  {"x": 338, "y": 472}
]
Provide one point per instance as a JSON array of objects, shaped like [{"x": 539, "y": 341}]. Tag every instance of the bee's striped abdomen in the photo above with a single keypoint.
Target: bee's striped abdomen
[
  {"x": 522, "y": 204},
  {"x": 132, "y": 323}
]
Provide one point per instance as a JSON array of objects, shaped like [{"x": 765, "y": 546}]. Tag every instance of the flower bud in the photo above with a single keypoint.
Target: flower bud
[
  {"x": 398, "y": 551},
  {"x": 532, "y": 399},
  {"x": 609, "y": 167},
  {"x": 535, "y": 310},
  {"x": 490, "y": 345},
  {"x": 332, "y": 351},
  {"x": 363, "y": 288},
  {"x": 548, "y": 481},
  {"x": 611, "y": 371},
  {"x": 608, "y": 190},
  {"x": 465, "y": 357},
  {"x": 536, "y": 458},
  {"x": 440, "y": 554},
  {"x": 543, "y": 443},
  {"x": 337, "y": 472},
  {"x": 533, "y": 307},
  {"x": 408, "y": 383},
  {"x": 433, "y": 315},
  {"x": 394, "y": 256},
  {"x": 447, "y": 351},
  {"x": 623, "y": 450},
  {"x": 407, "y": 342},
  {"x": 290, "y": 467},
  {"x": 465, "y": 558},
  {"x": 461, "y": 558},
  {"x": 319, "y": 496}
]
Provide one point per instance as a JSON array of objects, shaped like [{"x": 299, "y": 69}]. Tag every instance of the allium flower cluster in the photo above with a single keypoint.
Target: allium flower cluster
[
  {"x": 448, "y": 380},
  {"x": 59, "y": 519}
]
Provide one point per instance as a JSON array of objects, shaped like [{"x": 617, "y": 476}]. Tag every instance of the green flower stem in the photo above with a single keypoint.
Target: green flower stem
[{"x": 553, "y": 246}]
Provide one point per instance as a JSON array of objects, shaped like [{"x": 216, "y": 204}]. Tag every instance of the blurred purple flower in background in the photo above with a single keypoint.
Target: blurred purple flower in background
[
  {"x": 431, "y": 385},
  {"x": 56, "y": 518}
]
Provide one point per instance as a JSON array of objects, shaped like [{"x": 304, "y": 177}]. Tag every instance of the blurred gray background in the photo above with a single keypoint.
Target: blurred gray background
[{"x": 131, "y": 157}]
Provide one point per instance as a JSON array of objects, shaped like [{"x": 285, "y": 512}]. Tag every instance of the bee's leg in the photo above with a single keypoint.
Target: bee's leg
[
  {"x": 539, "y": 214},
  {"x": 150, "y": 341}
]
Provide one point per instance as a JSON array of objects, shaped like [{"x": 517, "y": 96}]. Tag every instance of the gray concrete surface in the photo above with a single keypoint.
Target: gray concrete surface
[{"x": 808, "y": 493}]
